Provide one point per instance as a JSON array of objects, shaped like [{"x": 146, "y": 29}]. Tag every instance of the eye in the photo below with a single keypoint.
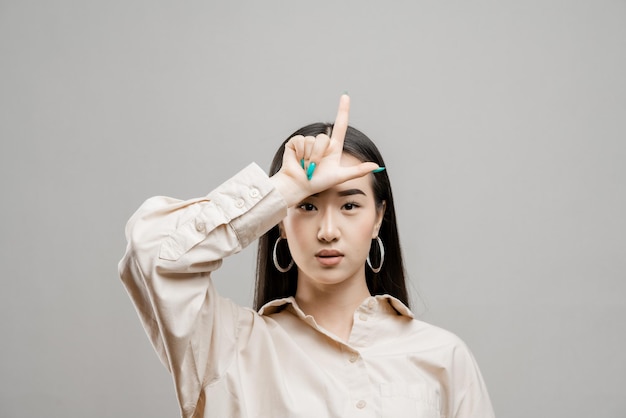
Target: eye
[
  {"x": 351, "y": 206},
  {"x": 307, "y": 207}
]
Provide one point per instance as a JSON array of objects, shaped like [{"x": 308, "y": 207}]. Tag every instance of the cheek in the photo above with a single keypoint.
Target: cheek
[
  {"x": 291, "y": 225},
  {"x": 368, "y": 226},
  {"x": 363, "y": 233},
  {"x": 295, "y": 231}
]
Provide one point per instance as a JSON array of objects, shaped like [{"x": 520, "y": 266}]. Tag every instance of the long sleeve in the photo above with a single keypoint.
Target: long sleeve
[
  {"x": 173, "y": 246},
  {"x": 472, "y": 398}
]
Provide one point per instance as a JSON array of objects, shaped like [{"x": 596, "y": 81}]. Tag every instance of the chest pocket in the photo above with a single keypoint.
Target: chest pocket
[{"x": 403, "y": 399}]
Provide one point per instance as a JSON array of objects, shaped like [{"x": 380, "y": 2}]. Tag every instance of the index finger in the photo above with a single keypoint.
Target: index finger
[{"x": 341, "y": 122}]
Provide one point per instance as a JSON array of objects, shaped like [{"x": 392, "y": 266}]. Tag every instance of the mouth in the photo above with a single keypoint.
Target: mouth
[{"x": 329, "y": 257}]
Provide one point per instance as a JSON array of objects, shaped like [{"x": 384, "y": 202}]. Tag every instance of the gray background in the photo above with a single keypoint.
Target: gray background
[{"x": 503, "y": 125}]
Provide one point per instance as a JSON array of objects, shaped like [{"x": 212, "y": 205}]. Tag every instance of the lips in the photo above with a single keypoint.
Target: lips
[{"x": 329, "y": 257}]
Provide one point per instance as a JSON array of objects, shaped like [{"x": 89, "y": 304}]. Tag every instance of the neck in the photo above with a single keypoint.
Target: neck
[{"x": 332, "y": 305}]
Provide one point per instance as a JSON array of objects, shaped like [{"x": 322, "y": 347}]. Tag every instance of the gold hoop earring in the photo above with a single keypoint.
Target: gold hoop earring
[{"x": 275, "y": 258}]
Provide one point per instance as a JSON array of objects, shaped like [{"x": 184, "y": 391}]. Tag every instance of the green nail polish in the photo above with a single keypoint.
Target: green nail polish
[
  {"x": 310, "y": 170},
  {"x": 378, "y": 170},
  {"x": 345, "y": 92},
  {"x": 302, "y": 163}
]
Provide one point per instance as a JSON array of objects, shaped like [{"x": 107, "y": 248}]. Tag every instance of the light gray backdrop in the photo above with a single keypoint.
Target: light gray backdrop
[{"x": 503, "y": 126}]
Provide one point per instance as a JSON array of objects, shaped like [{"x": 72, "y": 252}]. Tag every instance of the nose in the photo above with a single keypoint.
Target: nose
[{"x": 328, "y": 229}]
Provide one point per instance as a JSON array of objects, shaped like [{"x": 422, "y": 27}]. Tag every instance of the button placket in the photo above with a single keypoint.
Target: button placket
[{"x": 362, "y": 328}]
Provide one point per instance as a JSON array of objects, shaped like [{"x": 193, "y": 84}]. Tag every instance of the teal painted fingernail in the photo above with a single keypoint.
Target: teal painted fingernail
[
  {"x": 345, "y": 92},
  {"x": 302, "y": 163},
  {"x": 310, "y": 170},
  {"x": 379, "y": 169}
]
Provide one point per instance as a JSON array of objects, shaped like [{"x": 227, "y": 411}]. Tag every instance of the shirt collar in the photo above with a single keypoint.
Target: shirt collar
[{"x": 378, "y": 303}]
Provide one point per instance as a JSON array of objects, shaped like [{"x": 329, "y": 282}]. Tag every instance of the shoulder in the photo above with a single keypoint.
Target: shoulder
[
  {"x": 421, "y": 339},
  {"x": 426, "y": 328}
]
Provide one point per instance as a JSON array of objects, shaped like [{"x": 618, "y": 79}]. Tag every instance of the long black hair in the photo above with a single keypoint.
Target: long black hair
[{"x": 272, "y": 284}]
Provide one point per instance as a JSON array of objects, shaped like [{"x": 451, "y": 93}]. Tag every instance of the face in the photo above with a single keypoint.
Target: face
[{"x": 329, "y": 234}]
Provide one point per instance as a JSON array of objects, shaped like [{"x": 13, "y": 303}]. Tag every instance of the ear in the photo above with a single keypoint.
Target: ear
[
  {"x": 380, "y": 214},
  {"x": 281, "y": 230}
]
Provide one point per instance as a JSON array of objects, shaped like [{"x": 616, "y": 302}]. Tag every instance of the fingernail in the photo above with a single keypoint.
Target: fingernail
[
  {"x": 310, "y": 170},
  {"x": 379, "y": 169},
  {"x": 345, "y": 92},
  {"x": 302, "y": 163}
]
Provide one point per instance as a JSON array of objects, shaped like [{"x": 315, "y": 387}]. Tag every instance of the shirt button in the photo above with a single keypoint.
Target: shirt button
[
  {"x": 200, "y": 226},
  {"x": 361, "y": 404},
  {"x": 354, "y": 357},
  {"x": 254, "y": 193},
  {"x": 363, "y": 317},
  {"x": 239, "y": 203}
]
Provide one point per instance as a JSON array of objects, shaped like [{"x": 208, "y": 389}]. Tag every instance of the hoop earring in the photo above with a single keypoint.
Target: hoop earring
[
  {"x": 275, "y": 258},
  {"x": 382, "y": 257}
]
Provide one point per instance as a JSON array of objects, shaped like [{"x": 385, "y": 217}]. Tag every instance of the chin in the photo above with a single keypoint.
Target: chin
[{"x": 329, "y": 275}]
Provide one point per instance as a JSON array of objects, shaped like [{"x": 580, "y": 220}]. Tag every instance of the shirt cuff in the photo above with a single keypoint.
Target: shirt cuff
[{"x": 250, "y": 203}]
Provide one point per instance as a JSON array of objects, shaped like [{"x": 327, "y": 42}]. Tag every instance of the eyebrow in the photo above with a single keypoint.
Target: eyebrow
[{"x": 348, "y": 192}]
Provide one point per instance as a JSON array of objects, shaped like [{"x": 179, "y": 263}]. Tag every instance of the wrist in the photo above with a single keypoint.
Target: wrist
[{"x": 288, "y": 188}]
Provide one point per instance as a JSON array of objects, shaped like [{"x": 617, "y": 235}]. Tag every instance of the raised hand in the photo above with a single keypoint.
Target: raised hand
[{"x": 313, "y": 164}]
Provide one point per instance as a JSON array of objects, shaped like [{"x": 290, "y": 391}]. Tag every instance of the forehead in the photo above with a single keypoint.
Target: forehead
[
  {"x": 348, "y": 160},
  {"x": 362, "y": 183}
]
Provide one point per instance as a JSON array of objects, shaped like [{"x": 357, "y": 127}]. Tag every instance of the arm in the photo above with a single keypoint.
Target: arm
[
  {"x": 173, "y": 246},
  {"x": 472, "y": 399}
]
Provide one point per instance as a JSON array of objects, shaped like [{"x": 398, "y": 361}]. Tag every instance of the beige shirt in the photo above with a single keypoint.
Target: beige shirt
[{"x": 230, "y": 361}]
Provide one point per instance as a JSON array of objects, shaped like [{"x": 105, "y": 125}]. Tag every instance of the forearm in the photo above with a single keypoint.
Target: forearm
[
  {"x": 173, "y": 245},
  {"x": 190, "y": 236}
]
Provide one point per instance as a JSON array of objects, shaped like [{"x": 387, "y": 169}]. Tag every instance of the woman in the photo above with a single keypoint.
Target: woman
[{"x": 333, "y": 336}]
